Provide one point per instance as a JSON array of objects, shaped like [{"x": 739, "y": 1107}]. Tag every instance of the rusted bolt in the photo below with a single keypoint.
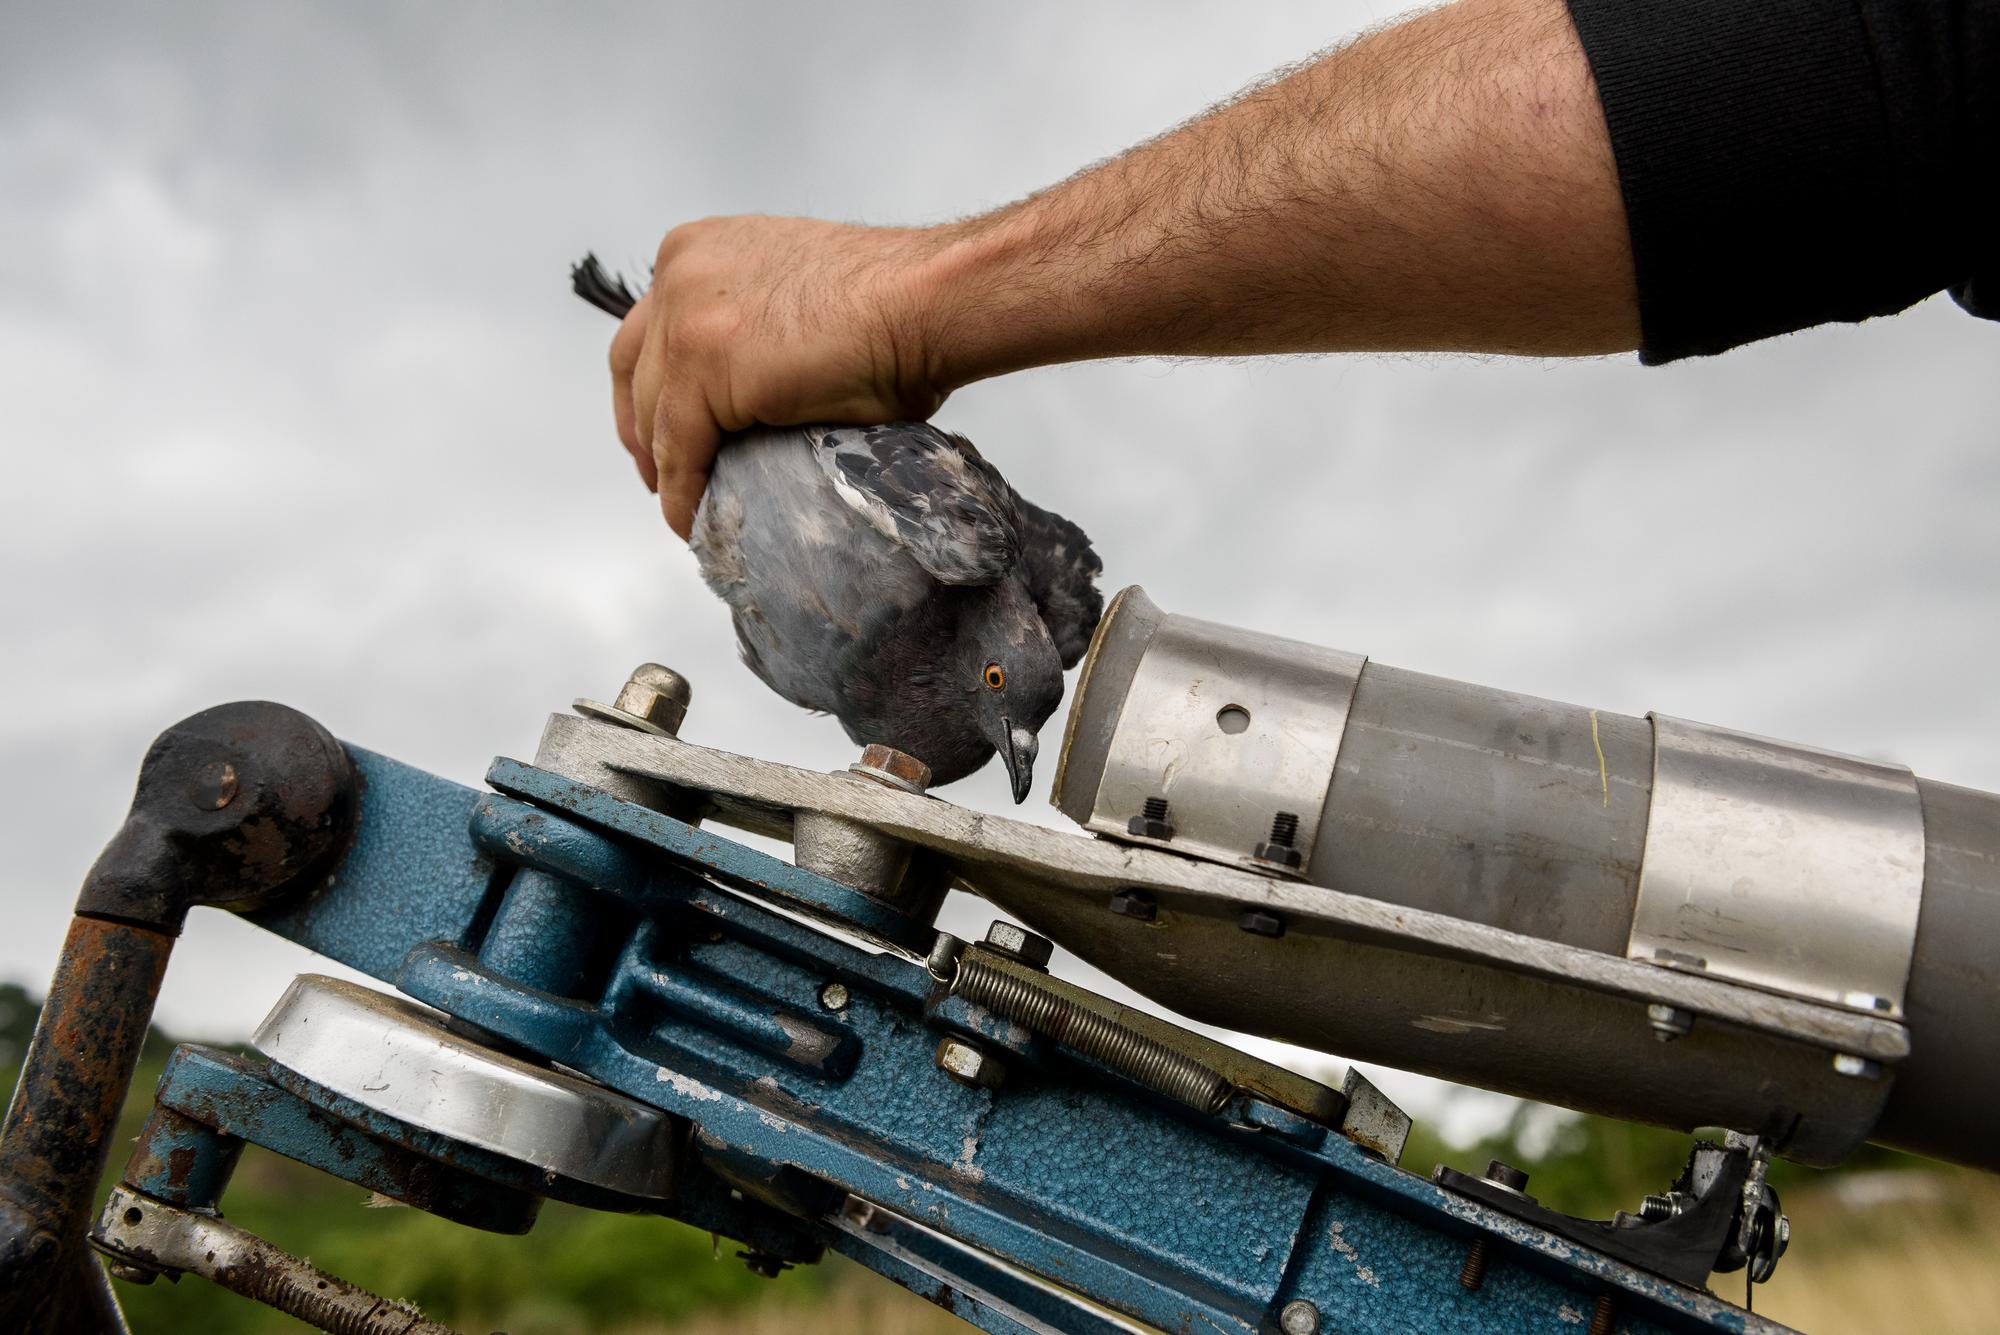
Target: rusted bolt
[
  {"x": 213, "y": 786},
  {"x": 897, "y": 769},
  {"x": 1473, "y": 1273},
  {"x": 1019, "y": 943},
  {"x": 1603, "y": 1317},
  {"x": 968, "y": 1065},
  {"x": 834, "y": 996}
]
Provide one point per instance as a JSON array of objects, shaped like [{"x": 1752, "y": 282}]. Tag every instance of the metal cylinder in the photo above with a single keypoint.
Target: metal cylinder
[{"x": 1532, "y": 816}]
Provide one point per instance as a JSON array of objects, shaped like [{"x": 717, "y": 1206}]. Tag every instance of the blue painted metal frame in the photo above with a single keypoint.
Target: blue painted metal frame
[{"x": 594, "y": 932}]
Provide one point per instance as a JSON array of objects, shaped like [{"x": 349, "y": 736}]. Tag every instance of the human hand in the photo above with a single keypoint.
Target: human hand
[{"x": 779, "y": 321}]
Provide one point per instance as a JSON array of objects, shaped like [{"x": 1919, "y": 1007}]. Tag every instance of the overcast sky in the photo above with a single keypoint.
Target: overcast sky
[{"x": 295, "y": 404}]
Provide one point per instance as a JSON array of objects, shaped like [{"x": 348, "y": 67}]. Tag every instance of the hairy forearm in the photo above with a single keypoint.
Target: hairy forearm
[{"x": 1445, "y": 184}]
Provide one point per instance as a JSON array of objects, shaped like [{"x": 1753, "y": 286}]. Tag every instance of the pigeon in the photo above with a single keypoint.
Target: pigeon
[{"x": 890, "y": 576}]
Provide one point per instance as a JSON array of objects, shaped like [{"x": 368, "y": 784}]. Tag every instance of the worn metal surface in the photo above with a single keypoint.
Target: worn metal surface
[
  {"x": 399, "y": 1059},
  {"x": 210, "y": 1103},
  {"x": 1944, "y": 1096},
  {"x": 1184, "y": 1222},
  {"x": 236, "y": 806},
  {"x": 1780, "y": 865},
  {"x": 1365, "y": 979},
  {"x": 1231, "y": 727},
  {"x": 148, "y": 1233},
  {"x": 57, "y": 1132}
]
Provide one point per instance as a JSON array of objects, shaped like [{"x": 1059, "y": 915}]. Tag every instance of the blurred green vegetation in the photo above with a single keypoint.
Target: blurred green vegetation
[{"x": 1912, "y": 1252}]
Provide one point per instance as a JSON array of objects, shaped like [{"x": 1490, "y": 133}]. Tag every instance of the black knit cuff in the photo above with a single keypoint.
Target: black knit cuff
[{"x": 1756, "y": 164}]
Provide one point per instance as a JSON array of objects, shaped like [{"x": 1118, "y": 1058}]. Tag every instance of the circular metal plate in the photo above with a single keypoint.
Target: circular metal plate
[{"x": 397, "y": 1057}]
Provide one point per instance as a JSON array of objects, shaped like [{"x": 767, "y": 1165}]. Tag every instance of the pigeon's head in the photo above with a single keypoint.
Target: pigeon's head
[{"x": 1016, "y": 677}]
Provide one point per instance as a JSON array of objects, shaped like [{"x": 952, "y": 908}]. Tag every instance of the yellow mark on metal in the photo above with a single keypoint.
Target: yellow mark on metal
[{"x": 1603, "y": 774}]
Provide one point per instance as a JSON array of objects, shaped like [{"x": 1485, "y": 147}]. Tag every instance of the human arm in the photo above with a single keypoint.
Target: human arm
[{"x": 1443, "y": 184}]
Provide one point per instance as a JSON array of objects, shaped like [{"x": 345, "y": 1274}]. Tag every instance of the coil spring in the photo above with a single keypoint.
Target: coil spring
[{"x": 1126, "y": 1051}]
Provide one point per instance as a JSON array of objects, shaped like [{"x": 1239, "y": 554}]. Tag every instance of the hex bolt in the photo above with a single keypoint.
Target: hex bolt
[
  {"x": 1658, "y": 1209},
  {"x": 1279, "y": 850},
  {"x": 1299, "y": 1317},
  {"x": 1473, "y": 1273},
  {"x": 1603, "y": 1317},
  {"x": 1138, "y": 905},
  {"x": 653, "y": 698},
  {"x": 1855, "y": 1067},
  {"x": 834, "y": 996},
  {"x": 892, "y": 768},
  {"x": 968, "y": 1065},
  {"x": 1669, "y": 1022},
  {"x": 1262, "y": 922},
  {"x": 1021, "y": 944},
  {"x": 1153, "y": 822}
]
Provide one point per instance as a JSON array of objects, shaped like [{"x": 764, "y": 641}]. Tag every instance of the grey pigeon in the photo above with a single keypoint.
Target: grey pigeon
[{"x": 890, "y": 576}]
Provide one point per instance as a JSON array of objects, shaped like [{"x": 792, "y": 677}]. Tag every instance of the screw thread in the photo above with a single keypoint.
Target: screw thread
[
  {"x": 1602, "y": 1316},
  {"x": 1284, "y": 829},
  {"x": 1156, "y": 808},
  {"x": 1146, "y": 1060},
  {"x": 1473, "y": 1273}
]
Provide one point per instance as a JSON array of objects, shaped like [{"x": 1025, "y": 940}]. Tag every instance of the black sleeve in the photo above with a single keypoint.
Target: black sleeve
[{"x": 1789, "y": 162}]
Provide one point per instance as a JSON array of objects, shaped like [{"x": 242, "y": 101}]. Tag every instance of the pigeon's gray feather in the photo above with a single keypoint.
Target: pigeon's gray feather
[
  {"x": 1060, "y": 568},
  {"x": 929, "y": 490},
  {"x": 769, "y": 524}
]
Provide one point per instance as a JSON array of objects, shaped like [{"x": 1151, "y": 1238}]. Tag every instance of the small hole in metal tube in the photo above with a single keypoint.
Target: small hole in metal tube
[
  {"x": 1232, "y": 719},
  {"x": 134, "y": 1217}
]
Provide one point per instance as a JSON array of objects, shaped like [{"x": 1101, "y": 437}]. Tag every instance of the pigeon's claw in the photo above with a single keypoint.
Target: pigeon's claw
[{"x": 1019, "y": 753}]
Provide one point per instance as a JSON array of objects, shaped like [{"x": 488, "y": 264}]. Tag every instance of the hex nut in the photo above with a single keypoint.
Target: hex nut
[
  {"x": 1669, "y": 1022},
  {"x": 1262, "y": 922},
  {"x": 1138, "y": 905},
  {"x": 897, "y": 769},
  {"x": 1019, "y": 943},
  {"x": 968, "y": 1065},
  {"x": 656, "y": 694}
]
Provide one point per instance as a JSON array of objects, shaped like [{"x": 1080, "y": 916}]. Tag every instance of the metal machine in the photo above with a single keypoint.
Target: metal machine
[{"x": 602, "y": 997}]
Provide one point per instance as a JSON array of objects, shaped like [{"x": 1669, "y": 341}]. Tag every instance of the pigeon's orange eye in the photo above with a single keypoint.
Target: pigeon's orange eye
[{"x": 996, "y": 677}]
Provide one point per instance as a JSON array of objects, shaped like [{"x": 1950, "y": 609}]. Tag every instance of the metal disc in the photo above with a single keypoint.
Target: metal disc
[{"x": 398, "y": 1058}]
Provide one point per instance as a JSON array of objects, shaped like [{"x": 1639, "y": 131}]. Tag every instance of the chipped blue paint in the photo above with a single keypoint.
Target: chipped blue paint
[{"x": 624, "y": 960}]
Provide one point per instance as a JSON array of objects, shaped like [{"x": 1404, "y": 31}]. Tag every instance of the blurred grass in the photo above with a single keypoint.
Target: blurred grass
[{"x": 1886, "y": 1244}]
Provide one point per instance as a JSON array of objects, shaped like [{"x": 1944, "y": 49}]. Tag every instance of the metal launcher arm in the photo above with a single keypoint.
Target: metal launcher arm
[{"x": 606, "y": 1000}]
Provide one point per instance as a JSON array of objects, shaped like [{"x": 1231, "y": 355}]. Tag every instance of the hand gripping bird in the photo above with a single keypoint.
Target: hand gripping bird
[{"x": 889, "y": 575}]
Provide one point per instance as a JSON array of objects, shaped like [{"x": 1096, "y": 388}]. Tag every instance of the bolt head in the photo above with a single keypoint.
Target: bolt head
[
  {"x": 658, "y": 695},
  {"x": 898, "y": 769},
  {"x": 1020, "y": 943},
  {"x": 1505, "y": 1175},
  {"x": 1857, "y": 1068},
  {"x": 1262, "y": 922},
  {"x": 1299, "y": 1317},
  {"x": 1139, "y": 905},
  {"x": 834, "y": 996},
  {"x": 968, "y": 1065},
  {"x": 1279, "y": 855},
  {"x": 1668, "y": 1022}
]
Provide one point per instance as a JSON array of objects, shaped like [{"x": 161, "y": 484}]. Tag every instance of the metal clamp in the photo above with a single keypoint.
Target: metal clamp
[
  {"x": 1786, "y": 867},
  {"x": 1222, "y": 741}
]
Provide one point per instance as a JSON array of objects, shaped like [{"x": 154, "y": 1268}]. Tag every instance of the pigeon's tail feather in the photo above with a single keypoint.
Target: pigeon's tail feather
[{"x": 590, "y": 280}]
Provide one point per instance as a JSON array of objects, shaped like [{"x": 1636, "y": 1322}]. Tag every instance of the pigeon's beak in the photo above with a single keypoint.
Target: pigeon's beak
[{"x": 1019, "y": 753}]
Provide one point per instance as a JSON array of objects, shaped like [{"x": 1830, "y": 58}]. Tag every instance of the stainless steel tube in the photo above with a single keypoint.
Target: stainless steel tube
[{"x": 1532, "y": 816}]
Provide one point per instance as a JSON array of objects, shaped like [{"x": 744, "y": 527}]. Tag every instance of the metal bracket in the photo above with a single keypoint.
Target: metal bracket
[{"x": 1781, "y": 866}]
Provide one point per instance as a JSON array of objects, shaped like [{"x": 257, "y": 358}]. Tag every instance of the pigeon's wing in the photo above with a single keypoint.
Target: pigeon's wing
[
  {"x": 929, "y": 491},
  {"x": 1061, "y": 570}
]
